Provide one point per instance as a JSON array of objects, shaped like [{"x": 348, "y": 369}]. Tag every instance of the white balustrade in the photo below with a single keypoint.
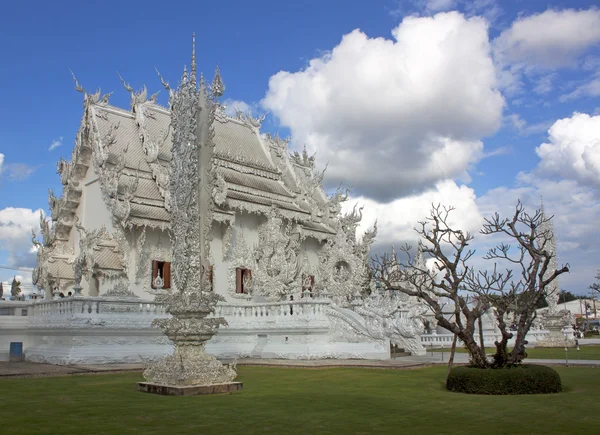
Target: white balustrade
[
  {"x": 302, "y": 308},
  {"x": 489, "y": 338},
  {"x": 91, "y": 306}
]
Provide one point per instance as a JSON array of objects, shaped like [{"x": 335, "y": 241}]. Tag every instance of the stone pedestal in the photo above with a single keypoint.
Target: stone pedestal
[
  {"x": 554, "y": 324},
  {"x": 196, "y": 390}
]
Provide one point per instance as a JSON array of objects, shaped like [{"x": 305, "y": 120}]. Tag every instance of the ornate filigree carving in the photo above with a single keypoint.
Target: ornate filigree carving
[
  {"x": 121, "y": 290},
  {"x": 149, "y": 253},
  {"x": 191, "y": 184},
  {"x": 384, "y": 317},
  {"x": 303, "y": 158},
  {"x": 241, "y": 257},
  {"x": 219, "y": 192},
  {"x": 152, "y": 146},
  {"x": 277, "y": 271}
]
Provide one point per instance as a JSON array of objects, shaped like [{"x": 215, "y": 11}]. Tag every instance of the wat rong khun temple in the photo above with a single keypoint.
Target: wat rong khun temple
[{"x": 182, "y": 232}]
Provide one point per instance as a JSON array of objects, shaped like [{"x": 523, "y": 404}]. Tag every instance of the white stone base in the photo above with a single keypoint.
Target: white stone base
[
  {"x": 292, "y": 346},
  {"x": 112, "y": 331},
  {"x": 97, "y": 347}
]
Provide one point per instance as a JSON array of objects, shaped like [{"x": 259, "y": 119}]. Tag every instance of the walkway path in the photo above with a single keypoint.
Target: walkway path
[{"x": 29, "y": 369}]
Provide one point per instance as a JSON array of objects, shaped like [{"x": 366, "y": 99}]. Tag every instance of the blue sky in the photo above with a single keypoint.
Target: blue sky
[{"x": 487, "y": 126}]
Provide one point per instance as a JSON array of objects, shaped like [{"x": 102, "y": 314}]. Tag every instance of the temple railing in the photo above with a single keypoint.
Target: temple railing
[
  {"x": 489, "y": 338},
  {"x": 91, "y": 306},
  {"x": 303, "y": 307}
]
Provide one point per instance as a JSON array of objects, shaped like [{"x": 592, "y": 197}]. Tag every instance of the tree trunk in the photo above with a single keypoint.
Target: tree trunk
[
  {"x": 518, "y": 353},
  {"x": 451, "y": 360},
  {"x": 480, "y": 326},
  {"x": 477, "y": 354}
]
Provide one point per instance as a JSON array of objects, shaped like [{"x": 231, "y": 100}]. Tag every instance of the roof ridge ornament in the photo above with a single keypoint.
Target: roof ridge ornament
[
  {"x": 248, "y": 119},
  {"x": 89, "y": 98},
  {"x": 167, "y": 87},
  {"x": 136, "y": 97}
]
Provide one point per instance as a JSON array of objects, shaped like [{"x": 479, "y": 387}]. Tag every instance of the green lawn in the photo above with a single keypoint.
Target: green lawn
[
  {"x": 292, "y": 400},
  {"x": 591, "y": 352}
]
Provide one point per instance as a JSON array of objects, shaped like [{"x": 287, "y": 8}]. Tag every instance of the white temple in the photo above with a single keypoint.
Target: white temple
[{"x": 292, "y": 273}]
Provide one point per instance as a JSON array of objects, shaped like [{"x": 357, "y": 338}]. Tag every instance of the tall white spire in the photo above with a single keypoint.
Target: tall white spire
[
  {"x": 546, "y": 235},
  {"x": 193, "y": 66}
]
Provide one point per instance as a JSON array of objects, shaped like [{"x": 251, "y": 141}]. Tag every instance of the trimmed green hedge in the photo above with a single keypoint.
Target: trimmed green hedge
[{"x": 523, "y": 379}]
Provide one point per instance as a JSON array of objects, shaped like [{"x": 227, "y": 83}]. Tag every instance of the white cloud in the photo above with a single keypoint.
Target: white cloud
[
  {"x": 15, "y": 235},
  {"x": 395, "y": 117},
  {"x": 55, "y": 144},
  {"x": 576, "y": 212},
  {"x": 524, "y": 128},
  {"x": 231, "y": 106},
  {"x": 15, "y": 171},
  {"x": 18, "y": 171},
  {"x": 549, "y": 39},
  {"x": 490, "y": 9},
  {"x": 396, "y": 220},
  {"x": 543, "y": 84},
  {"x": 588, "y": 89},
  {"x": 439, "y": 5},
  {"x": 573, "y": 149},
  {"x": 567, "y": 177}
]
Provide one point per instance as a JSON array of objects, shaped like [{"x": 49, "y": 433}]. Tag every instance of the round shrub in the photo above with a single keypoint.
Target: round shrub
[{"x": 523, "y": 379}]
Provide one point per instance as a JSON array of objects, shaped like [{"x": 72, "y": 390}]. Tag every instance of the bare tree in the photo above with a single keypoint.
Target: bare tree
[
  {"x": 596, "y": 286},
  {"x": 473, "y": 292}
]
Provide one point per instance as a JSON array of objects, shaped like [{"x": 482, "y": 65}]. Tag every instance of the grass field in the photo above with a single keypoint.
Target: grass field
[
  {"x": 291, "y": 400},
  {"x": 591, "y": 352}
]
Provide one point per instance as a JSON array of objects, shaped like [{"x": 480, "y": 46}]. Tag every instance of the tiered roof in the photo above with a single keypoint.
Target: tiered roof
[{"x": 131, "y": 151}]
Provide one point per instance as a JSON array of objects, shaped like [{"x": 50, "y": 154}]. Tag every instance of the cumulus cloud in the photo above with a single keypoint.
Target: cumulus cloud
[
  {"x": 55, "y": 144},
  {"x": 567, "y": 178},
  {"x": 549, "y": 39},
  {"x": 15, "y": 235},
  {"x": 534, "y": 46},
  {"x": 573, "y": 149},
  {"x": 1, "y": 163},
  {"x": 395, "y": 117},
  {"x": 396, "y": 220}
]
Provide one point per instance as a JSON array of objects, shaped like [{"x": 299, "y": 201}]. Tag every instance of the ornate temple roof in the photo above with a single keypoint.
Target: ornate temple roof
[{"x": 131, "y": 153}]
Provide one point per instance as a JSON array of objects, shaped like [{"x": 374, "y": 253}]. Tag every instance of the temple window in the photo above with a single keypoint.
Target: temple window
[
  {"x": 161, "y": 274},
  {"x": 242, "y": 278},
  {"x": 308, "y": 283}
]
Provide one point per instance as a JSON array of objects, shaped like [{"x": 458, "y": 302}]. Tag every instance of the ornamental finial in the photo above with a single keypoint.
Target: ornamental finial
[
  {"x": 184, "y": 77},
  {"x": 217, "y": 88},
  {"x": 193, "y": 72}
]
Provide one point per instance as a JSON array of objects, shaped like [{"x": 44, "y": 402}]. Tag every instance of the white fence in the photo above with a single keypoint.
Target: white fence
[
  {"x": 302, "y": 308},
  {"x": 489, "y": 338},
  {"x": 93, "y": 305}
]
